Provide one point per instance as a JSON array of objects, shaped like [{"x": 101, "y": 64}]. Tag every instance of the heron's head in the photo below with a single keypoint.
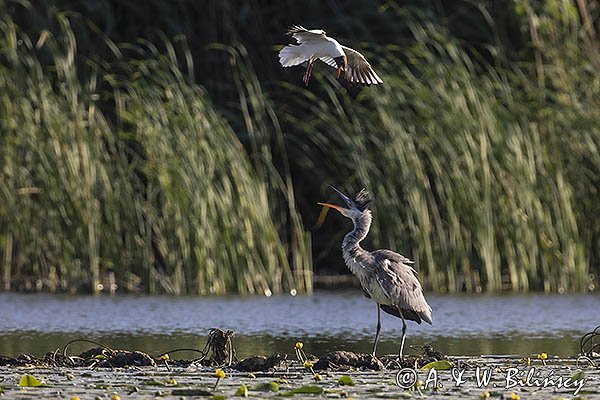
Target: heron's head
[
  {"x": 356, "y": 206},
  {"x": 341, "y": 63}
]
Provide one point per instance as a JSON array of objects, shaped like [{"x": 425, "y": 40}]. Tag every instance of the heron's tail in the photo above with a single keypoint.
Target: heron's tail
[
  {"x": 291, "y": 55},
  {"x": 426, "y": 316},
  {"x": 410, "y": 315}
]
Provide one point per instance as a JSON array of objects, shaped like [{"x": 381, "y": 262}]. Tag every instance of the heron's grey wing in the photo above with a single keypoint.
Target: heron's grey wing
[
  {"x": 400, "y": 282},
  {"x": 393, "y": 256},
  {"x": 303, "y": 35},
  {"x": 358, "y": 69}
]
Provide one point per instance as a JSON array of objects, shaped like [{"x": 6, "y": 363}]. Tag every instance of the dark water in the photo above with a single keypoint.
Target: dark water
[{"x": 465, "y": 325}]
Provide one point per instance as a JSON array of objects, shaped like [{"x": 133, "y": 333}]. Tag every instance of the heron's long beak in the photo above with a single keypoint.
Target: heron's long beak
[
  {"x": 347, "y": 199},
  {"x": 339, "y": 71},
  {"x": 342, "y": 210}
]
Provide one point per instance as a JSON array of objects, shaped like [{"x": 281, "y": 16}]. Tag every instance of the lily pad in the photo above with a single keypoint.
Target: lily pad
[
  {"x": 579, "y": 375},
  {"x": 266, "y": 387},
  {"x": 190, "y": 392},
  {"x": 345, "y": 380},
  {"x": 439, "y": 365},
  {"x": 307, "y": 389},
  {"x": 153, "y": 382},
  {"x": 30, "y": 381},
  {"x": 242, "y": 391}
]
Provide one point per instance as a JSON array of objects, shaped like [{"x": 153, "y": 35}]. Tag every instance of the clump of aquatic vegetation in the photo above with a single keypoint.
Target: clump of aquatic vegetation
[{"x": 124, "y": 155}]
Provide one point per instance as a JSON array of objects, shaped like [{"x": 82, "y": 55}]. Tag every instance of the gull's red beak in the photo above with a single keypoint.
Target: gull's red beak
[{"x": 341, "y": 63}]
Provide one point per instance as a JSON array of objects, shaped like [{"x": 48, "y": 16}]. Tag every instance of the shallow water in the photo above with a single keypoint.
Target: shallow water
[{"x": 326, "y": 321}]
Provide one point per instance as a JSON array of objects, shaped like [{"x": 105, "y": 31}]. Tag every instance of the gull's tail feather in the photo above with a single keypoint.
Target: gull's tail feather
[{"x": 291, "y": 55}]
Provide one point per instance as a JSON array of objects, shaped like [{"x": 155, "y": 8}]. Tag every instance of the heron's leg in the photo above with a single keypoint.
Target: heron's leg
[
  {"x": 378, "y": 328},
  {"x": 403, "y": 332}
]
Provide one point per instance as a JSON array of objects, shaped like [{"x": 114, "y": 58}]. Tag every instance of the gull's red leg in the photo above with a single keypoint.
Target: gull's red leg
[
  {"x": 308, "y": 72},
  {"x": 305, "y": 74}
]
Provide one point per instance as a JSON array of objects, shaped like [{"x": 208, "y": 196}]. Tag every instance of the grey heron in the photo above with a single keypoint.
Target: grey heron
[
  {"x": 385, "y": 276},
  {"x": 315, "y": 45}
]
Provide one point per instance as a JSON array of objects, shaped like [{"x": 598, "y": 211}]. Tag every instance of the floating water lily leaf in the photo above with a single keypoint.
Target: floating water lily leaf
[
  {"x": 266, "y": 387},
  {"x": 579, "y": 375},
  {"x": 30, "y": 381},
  {"x": 307, "y": 389},
  {"x": 217, "y": 397},
  {"x": 439, "y": 365},
  {"x": 345, "y": 380},
  {"x": 153, "y": 382},
  {"x": 190, "y": 392},
  {"x": 242, "y": 391}
]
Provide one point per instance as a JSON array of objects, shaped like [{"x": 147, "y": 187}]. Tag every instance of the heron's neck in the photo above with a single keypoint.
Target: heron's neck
[{"x": 351, "y": 243}]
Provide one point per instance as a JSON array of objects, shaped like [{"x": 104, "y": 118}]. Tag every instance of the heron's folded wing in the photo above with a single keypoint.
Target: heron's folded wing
[
  {"x": 358, "y": 69},
  {"x": 393, "y": 256},
  {"x": 400, "y": 282}
]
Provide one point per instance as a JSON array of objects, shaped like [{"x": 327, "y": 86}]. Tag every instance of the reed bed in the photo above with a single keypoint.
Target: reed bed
[
  {"x": 162, "y": 196},
  {"x": 119, "y": 167}
]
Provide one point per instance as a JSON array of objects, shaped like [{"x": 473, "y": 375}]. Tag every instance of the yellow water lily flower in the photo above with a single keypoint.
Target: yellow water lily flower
[
  {"x": 299, "y": 345},
  {"x": 307, "y": 364},
  {"x": 514, "y": 396},
  {"x": 219, "y": 373}
]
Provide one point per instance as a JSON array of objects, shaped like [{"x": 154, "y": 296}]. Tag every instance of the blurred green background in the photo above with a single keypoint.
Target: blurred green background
[{"x": 158, "y": 146}]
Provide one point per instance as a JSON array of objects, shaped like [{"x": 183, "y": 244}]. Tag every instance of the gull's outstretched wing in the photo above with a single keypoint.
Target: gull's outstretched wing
[
  {"x": 358, "y": 69},
  {"x": 303, "y": 35},
  {"x": 308, "y": 40}
]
